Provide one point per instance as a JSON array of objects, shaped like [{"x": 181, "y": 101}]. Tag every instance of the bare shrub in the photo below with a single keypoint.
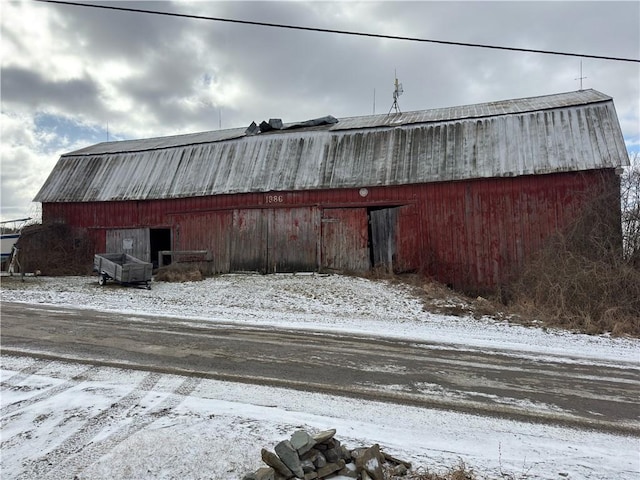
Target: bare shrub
[
  {"x": 581, "y": 279},
  {"x": 55, "y": 249},
  {"x": 458, "y": 472},
  {"x": 180, "y": 272},
  {"x": 630, "y": 204}
]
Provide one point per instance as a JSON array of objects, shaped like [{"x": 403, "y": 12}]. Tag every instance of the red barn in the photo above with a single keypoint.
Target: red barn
[{"x": 464, "y": 194}]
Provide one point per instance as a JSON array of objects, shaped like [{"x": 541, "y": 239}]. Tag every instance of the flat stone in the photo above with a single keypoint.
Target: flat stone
[
  {"x": 333, "y": 454},
  {"x": 399, "y": 470},
  {"x": 310, "y": 476},
  {"x": 330, "y": 468},
  {"x": 310, "y": 455},
  {"x": 349, "y": 471},
  {"x": 371, "y": 462},
  {"x": 332, "y": 443},
  {"x": 289, "y": 457},
  {"x": 392, "y": 459},
  {"x": 324, "y": 436},
  {"x": 320, "y": 460},
  {"x": 274, "y": 461},
  {"x": 302, "y": 442},
  {"x": 265, "y": 473},
  {"x": 356, "y": 452},
  {"x": 345, "y": 453},
  {"x": 307, "y": 465}
]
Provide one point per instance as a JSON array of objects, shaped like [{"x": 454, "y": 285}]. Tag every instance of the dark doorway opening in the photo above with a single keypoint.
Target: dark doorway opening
[
  {"x": 160, "y": 239},
  {"x": 382, "y": 236}
]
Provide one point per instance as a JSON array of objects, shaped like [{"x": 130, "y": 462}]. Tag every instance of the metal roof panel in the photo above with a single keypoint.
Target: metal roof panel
[{"x": 568, "y": 132}]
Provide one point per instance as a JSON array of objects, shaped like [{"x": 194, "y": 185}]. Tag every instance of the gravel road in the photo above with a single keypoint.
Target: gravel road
[{"x": 430, "y": 374}]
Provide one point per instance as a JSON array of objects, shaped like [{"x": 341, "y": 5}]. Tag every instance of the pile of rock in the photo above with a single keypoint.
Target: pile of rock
[{"x": 322, "y": 456}]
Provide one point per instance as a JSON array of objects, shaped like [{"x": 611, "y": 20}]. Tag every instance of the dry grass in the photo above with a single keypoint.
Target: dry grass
[
  {"x": 580, "y": 280},
  {"x": 438, "y": 298},
  {"x": 459, "y": 472},
  {"x": 559, "y": 289},
  {"x": 180, "y": 272},
  {"x": 569, "y": 290}
]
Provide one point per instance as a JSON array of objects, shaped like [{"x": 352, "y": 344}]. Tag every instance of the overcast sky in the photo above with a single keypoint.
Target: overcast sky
[{"x": 73, "y": 75}]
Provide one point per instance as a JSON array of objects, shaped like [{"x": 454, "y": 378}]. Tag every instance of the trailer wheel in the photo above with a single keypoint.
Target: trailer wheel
[{"x": 102, "y": 280}]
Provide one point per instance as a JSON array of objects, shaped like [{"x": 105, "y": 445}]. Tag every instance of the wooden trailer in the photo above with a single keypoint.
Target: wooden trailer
[{"x": 122, "y": 268}]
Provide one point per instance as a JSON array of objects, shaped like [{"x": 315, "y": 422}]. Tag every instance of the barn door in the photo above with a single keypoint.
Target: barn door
[
  {"x": 394, "y": 238},
  {"x": 207, "y": 231},
  {"x": 274, "y": 240},
  {"x": 249, "y": 241},
  {"x": 382, "y": 224},
  {"x": 344, "y": 239},
  {"x": 133, "y": 241},
  {"x": 292, "y": 240}
]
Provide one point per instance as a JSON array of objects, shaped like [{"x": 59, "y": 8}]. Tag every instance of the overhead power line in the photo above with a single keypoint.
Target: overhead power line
[{"x": 339, "y": 32}]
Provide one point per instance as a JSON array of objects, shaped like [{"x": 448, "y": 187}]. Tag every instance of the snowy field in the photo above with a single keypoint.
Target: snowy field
[{"x": 62, "y": 419}]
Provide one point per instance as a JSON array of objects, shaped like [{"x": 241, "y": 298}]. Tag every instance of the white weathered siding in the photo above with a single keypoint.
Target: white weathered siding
[{"x": 568, "y": 132}]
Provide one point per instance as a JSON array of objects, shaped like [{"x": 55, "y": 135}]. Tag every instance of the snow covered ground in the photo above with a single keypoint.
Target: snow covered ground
[{"x": 61, "y": 419}]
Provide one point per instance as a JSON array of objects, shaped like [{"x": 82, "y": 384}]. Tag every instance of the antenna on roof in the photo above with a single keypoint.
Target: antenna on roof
[
  {"x": 396, "y": 93},
  {"x": 580, "y": 77}
]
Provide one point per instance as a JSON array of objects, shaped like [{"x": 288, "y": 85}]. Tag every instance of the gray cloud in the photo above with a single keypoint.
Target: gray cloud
[
  {"x": 149, "y": 75},
  {"x": 33, "y": 90}
]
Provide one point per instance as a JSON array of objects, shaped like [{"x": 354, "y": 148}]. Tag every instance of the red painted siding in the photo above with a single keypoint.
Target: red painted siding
[
  {"x": 292, "y": 239},
  {"x": 205, "y": 231},
  {"x": 469, "y": 234},
  {"x": 344, "y": 239}
]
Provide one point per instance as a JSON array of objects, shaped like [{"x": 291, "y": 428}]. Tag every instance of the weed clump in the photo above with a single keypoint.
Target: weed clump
[
  {"x": 567, "y": 289},
  {"x": 458, "y": 472},
  {"x": 180, "y": 272},
  {"x": 55, "y": 249},
  {"x": 580, "y": 279}
]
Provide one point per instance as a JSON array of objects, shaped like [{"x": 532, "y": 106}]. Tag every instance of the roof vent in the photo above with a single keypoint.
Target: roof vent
[
  {"x": 252, "y": 129},
  {"x": 316, "y": 122},
  {"x": 276, "y": 124}
]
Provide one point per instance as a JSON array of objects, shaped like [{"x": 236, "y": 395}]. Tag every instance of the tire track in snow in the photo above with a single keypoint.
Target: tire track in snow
[
  {"x": 46, "y": 394},
  {"x": 74, "y": 464},
  {"x": 42, "y": 466},
  {"x": 21, "y": 375}
]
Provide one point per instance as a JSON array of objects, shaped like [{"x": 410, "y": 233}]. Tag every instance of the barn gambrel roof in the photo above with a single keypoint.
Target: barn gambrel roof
[{"x": 556, "y": 133}]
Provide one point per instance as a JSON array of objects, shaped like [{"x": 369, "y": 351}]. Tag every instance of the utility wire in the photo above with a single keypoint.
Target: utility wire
[{"x": 340, "y": 32}]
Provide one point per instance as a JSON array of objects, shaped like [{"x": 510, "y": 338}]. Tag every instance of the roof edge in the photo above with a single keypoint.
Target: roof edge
[{"x": 471, "y": 111}]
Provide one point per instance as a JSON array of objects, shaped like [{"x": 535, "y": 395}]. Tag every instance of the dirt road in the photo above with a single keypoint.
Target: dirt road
[{"x": 547, "y": 390}]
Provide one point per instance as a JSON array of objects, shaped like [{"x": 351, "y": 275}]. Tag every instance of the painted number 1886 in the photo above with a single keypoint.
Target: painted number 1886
[{"x": 275, "y": 198}]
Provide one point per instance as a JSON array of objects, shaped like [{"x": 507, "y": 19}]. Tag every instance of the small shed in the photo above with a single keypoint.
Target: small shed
[{"x": 463, "y": 194}]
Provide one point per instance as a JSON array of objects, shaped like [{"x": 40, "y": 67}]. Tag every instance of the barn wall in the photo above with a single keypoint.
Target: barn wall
[
  {"x": 469, "y": 234},
  {"x": 476, "y": 235},
  {"x": 132, "y": 241},
  {"x": 205, "y": 231},
  {"x": 344, "y": 240}
]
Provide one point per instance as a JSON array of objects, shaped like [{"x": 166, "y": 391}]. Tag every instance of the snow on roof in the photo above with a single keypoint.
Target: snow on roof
[{"x": 555, "y": 133}]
